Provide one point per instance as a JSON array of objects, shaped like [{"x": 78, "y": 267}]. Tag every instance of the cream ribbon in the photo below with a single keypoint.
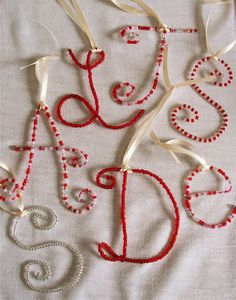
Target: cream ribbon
[
  {"x": 75, "y": 13},
  {"x": 178, "y": 146},
  {"x": 42, "y": 76},
  {"x": 20, "y": 203},
  {"x": 146, "y": 10},
  {"x": 146, "y": 125},
  {"x": 216, "y": 1},
  {"x": 218, "y": 54}
]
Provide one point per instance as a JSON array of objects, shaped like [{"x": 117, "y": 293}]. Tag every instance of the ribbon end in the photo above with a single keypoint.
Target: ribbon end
[
  {"x": 126, "y": 168},
  {"x": 203, "y": 168}
]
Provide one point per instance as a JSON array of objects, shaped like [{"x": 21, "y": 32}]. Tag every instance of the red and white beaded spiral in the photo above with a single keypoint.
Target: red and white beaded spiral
[{"x": 224, "y": 116}]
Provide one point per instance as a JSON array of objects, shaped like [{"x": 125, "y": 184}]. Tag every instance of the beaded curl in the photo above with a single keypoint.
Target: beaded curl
[
  {"x": 94, "y": 111},
  {"x": 11, "y": 188},
  {"x": 43, "y": 218},
  {"x": 130, "y": 36},
  {"x": 104, "y": 247},
  {"x": 221, "y": 111},
  {"x": 191, "y": 196}
]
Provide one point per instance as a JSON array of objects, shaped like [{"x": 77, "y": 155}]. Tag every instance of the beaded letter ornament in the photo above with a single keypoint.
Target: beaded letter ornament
[
  {"x": 130, "y": 36},
  {"x": 194, "y": 196},
  {"x": 78, "y": 159},
  {"x": 177, "y": 146},
  {"x": 198, "y": 67},
  {"x": 104, "y": 249},
  {"x": 42, "y": 218},
  {"x": 95, "y": 57}
]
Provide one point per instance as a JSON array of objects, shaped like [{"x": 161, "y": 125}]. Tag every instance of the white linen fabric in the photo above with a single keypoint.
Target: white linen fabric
[{"x": 202, "y": 264}]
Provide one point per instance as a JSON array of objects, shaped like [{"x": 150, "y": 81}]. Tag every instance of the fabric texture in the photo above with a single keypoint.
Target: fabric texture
[{"x": 202, "y": 263}]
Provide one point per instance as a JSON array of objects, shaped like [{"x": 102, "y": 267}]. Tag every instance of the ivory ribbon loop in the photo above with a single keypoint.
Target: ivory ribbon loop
[
  {"x": 20, "y": 203},
  {"x": 146, "y": 125},
  {"x": 130, "y": 9},
  {"x": 42, "y": 76},
  {"x": 221, "y": 52},
  {"x": 146, "y": 10},
  {"x": 178, "y": 146},
  {"x": 75, "y": 13}
]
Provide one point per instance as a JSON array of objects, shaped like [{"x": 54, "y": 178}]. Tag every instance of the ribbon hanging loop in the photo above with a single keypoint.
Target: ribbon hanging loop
[{"x": 75, "y": 13}]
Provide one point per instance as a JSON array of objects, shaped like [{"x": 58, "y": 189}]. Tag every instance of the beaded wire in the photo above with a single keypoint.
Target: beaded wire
[
  {"x": 221, "y": 111},
  {"x": 192, "y": 196},
  {"x": 104, "y": 249},
  {"x": 130, "y": 36},
  {"x": 75, "y": 13},
  {"x": 79, "y": 159},
  {"x": 216, "y": 57},
  {"x": 43, "y": 218},
  {"x": 94, "y": 111}
]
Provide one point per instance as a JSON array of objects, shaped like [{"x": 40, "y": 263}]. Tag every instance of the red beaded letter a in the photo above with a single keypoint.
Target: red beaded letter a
[{"x": 77, "y": 159}]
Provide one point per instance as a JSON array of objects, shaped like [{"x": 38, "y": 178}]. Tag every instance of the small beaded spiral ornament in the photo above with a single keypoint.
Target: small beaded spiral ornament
[
  {"x": 78, "y": 160},
  {"x": 95, "y": 57}
]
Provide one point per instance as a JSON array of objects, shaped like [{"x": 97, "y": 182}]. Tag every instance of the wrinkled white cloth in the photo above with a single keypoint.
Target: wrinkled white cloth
[{"x": 202, "y": 264}]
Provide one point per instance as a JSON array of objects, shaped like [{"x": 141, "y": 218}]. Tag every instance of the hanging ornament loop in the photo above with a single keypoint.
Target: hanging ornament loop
[
  {"x": 41, "y": 72},
  {"x": 145, "y": 11},
  {"x": 75, "y": 13}
]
